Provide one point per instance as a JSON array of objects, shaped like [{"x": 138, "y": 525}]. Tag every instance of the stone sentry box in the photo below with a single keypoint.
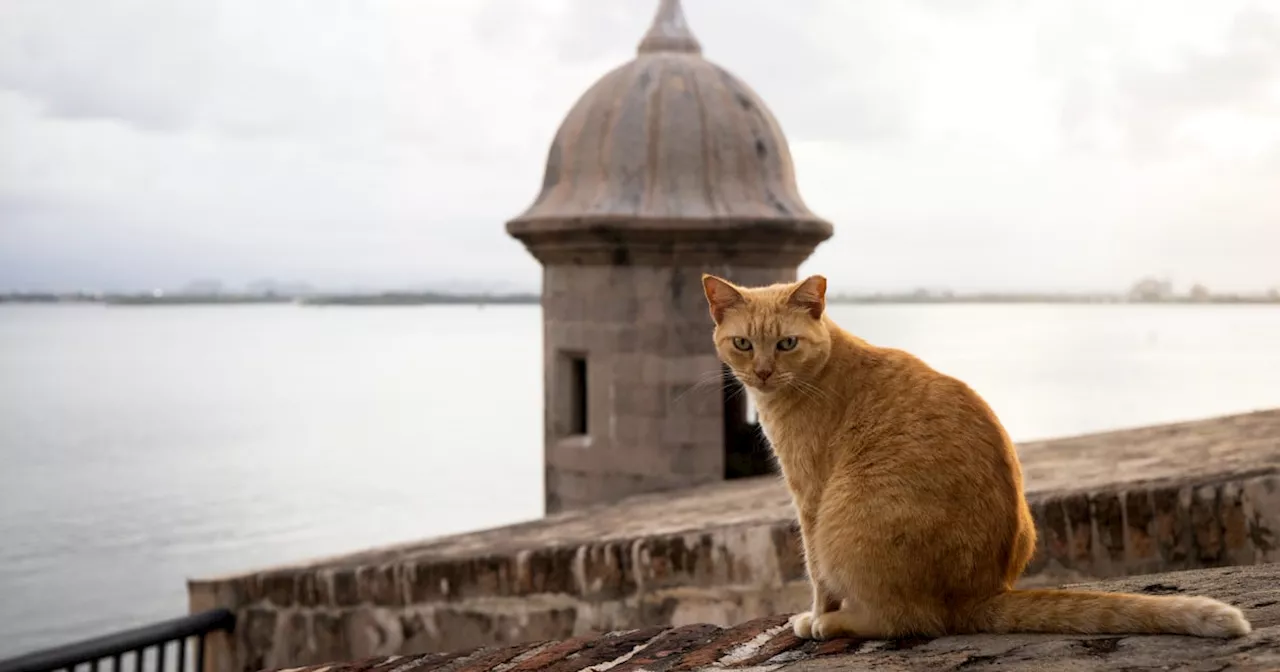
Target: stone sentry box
[{"x": 666, "y": 168}]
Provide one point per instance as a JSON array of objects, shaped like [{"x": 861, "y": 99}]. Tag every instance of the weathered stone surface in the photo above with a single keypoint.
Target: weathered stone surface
[
  {"x": 1198, "y": 494},
  {"x": 767, "y": 644}
]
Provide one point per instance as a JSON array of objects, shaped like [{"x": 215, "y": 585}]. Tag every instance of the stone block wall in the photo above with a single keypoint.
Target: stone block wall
[
  {"x": 1213, "y": 521},
  {"x": 767, "y": 644},
  {"x": 1207, "y": 495}
]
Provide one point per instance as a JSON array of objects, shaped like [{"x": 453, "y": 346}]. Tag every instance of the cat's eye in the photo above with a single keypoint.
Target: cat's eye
[
  {"x": 788, "y": 343},
  {"x": 741, "y": 343}
]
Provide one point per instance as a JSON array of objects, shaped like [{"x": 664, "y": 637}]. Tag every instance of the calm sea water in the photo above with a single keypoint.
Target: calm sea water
[{"x": 143, "y": 446}]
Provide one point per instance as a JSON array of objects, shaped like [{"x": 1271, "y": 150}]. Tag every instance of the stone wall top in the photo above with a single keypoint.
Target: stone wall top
[
  {"x": 1194, "y": 495},
  {"x": 1202, "y": 450},
  {"x": 1228, "y": 446},
  {"x": 767, "y": 644}
]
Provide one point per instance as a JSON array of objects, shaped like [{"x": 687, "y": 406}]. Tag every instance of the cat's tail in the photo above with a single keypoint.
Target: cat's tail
[{"x": 1085, "y": 612}]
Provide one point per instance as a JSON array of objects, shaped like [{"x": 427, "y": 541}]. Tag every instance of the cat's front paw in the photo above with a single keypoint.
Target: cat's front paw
[{"x": 802, "y": 625}]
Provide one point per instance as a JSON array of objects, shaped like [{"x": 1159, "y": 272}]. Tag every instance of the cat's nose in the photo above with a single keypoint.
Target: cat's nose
[{"x": 763, "y": 374}]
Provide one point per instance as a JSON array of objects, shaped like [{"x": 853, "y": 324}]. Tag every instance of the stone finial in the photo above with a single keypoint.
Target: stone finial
[{"x": 669, "y": 32}]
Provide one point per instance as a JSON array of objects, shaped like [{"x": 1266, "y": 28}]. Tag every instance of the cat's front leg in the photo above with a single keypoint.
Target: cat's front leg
[
  {"x": 823, "y": 600},
  {"x": 823, "y": 603}
]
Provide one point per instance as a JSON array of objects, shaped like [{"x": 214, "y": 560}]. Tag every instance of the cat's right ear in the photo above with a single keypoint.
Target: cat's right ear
[{"x": 721, "y": 295}]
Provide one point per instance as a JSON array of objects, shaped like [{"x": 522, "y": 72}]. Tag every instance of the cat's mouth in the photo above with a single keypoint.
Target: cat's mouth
[{"x": 766, "y": 386}]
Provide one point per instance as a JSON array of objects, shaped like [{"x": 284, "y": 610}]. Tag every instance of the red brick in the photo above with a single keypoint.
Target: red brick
[
  {"x": 782, "y": 642},
  {"x": 487, "y": 659},
  {"x": 836, "y": 646},
  {"x": 421, "y": 662},
  {"x": 583, "y": 652},
  {"x": 377, "y": 664},
  {"x": 724, "y": 642},
  {"x": 665, "y": 652},
  {"x": 367, "y": 665},
  {"x": 552, "y": 654},
  {"x": 440, "y": 660}
]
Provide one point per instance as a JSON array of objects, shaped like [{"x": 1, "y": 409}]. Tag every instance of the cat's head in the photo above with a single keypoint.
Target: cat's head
[{"x": 772, "y": 338}]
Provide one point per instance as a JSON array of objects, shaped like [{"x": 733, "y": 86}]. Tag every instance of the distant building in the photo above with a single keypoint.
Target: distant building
[
  {"x": 269, "y": 287},
  {"x": 667, "y": 167},
  {"x": 1151, "y": 289},
  {"x": 202, "y": 288}
]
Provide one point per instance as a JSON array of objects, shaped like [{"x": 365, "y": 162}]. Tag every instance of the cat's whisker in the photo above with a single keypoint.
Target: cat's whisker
[
  {"x": 707, "y": 377},
  {"x": 800, "y": 389},
  {"x": 801, "y": 382},
  {"x": 735, "y": 392},
  {"x": 812, "y": 391},
  {"x": 807, "y": 391},
  {"x": 704, "y": 381}
]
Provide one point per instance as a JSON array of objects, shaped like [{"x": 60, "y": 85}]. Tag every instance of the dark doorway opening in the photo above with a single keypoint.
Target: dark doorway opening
[{"x": 746, "y": 450}]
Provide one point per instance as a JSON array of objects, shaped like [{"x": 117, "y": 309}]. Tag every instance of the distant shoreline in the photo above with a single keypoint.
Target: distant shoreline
[{"x": 435, "y": 298}]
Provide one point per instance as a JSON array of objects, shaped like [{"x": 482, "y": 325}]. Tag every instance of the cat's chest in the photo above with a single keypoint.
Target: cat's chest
[
  {"x": 791, "y": 424},
  {"x": 797, "y": 442}
]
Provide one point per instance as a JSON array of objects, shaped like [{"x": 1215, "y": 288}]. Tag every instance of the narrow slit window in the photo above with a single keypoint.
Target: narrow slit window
[{"x": 577, "y": 401}]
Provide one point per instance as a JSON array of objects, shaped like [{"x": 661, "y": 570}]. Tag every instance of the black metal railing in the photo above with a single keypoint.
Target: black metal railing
[{"x": 110, "y": 653}]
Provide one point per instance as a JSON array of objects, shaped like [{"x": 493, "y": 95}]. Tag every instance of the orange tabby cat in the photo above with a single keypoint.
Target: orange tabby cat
[{"x": 908, "y": 490}]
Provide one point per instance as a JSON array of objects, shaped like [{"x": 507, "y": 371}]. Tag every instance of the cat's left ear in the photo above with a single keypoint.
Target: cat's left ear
[{"x": 811, "y": 295}]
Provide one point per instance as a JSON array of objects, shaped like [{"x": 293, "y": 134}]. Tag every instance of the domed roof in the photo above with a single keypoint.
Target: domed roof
[{"x": 670, "y": 140}]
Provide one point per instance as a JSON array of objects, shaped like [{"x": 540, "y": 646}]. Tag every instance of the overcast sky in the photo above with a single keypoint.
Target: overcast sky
[{"x": 975, "y": 144}]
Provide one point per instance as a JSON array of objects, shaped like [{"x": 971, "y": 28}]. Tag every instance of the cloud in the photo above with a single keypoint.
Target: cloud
[
  {"x": 820, "y": 65},
  {"x": 150, "y": 141},
  {"x": 94, "y": 60},
  {"x": 1151, "y": 99},
  {"x": 1241, "y": 72}
]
